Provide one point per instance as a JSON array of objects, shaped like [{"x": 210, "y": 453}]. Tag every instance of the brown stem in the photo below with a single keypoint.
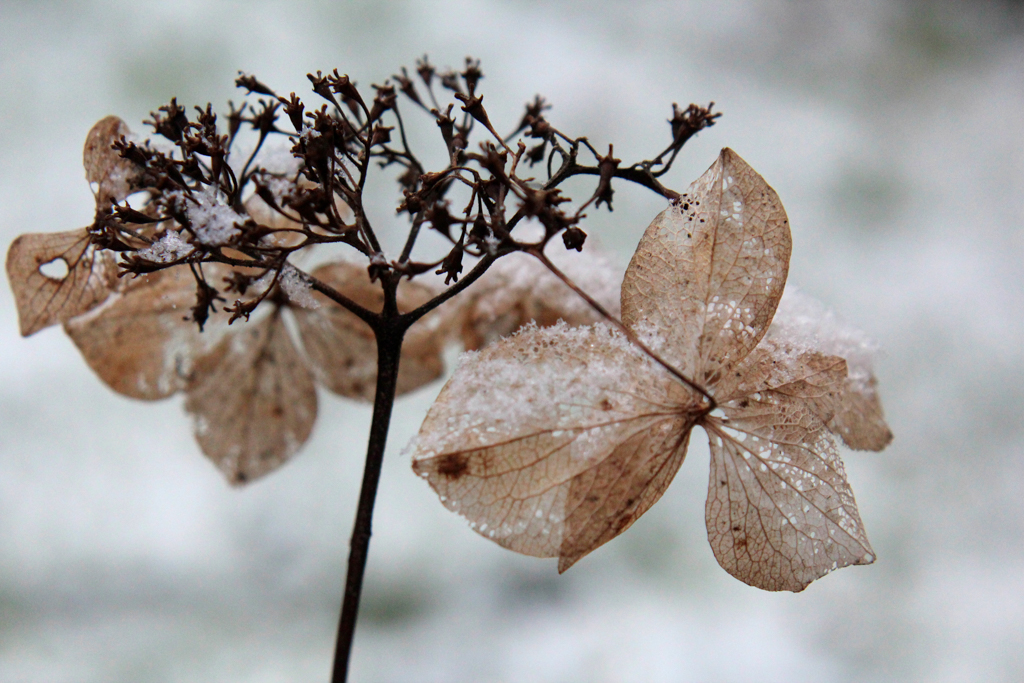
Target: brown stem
[
  {"x": 634, "y": 175},
  {"x": 389, "y": 344}
]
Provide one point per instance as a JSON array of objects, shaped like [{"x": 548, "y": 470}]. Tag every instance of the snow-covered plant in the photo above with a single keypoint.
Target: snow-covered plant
[{"x": 551, "y": 441}]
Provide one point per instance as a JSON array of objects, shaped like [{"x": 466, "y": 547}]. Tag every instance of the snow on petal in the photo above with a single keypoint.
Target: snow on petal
[
  {"x": 554, "y": 440},
  {"x": 801, "y": 321},
  {"x": 518, "y": 289},
  {"x": 780, "y": 513},
  {"x": 170, "y": 247},
  {"x": 213, "y": 222},
  {"x": 710, "y": 269},
  {"x": 297, "y": 286}
]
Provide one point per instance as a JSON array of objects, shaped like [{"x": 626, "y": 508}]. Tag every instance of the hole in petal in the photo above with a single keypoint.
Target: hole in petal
[{"x": 57, "y": 269}]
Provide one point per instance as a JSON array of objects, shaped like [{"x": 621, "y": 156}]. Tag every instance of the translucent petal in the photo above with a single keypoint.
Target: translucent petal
[
  {"x": 553, "y": 441},
  {"x": 776, "y": 381},
  {"x": 253, "y": 400},
  {"x": 804, "y": 322},
  {"x": 114, "y": 176},
  {"x": 142, "y": 343},
  {"x": 518, "y": 289},
  {"x": 82, "y": 277},
  {"x": 780, "y": 512},
  {"x": 860, "y": 422},
  {"x": 709, "y": 271}
]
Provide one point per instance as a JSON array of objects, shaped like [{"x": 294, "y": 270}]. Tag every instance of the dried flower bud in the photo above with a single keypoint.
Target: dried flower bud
[
  {"x": 251, "y": 85},
  {"x": 574, "y": 238},
  {"x": 472, "y": 74}
]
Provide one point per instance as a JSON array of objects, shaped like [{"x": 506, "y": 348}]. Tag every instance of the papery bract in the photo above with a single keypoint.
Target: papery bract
[
  {"x": 140, "y": 342},
  {"x": 85, "y": 275},
  {"x": 802, "y": 321},
  {"x": 554, "y": 441},
  {"x": 253, "y": 400},
  {"x": 518, "y": 289}
]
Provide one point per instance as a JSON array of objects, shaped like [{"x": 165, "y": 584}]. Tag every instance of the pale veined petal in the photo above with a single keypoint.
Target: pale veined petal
[
  {"x": 553, "y": 441},
  {"x": 56, "y": 276},
  {"x": 143, "y": 342},
  {"x": 709, "y": 271},
  {"x": 780, "y": 513},
  {"x": 253, "y": 400}
]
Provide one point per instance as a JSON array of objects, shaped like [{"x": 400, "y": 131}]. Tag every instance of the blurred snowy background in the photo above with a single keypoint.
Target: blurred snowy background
[{"x": 894, "y": 133}]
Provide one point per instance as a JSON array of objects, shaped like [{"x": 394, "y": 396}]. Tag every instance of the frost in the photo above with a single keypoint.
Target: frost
[
  {"x": 169, "y": 248},
  {"x": 518, "y": 289},
  {"x": 213, "y": 222},
  {"x": 297, "y": 287},
  {"x": 804, "y": 322}
]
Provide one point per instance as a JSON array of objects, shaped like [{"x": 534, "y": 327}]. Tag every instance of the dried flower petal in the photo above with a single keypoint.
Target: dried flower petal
[
  {"x": 253, "y": 400},
  {"x": 518, "y": 289},
  {"x": 860, "y": 422},
  {"x": 554, "y": 441},
  {"x": 710, "y": 269},
  {"x": 804, "y": 323},
  {"x": 517, "y": 441},
  {"x": 142, "y": 343},
  {"x": 83, "y": 277},
  {"x": 115, "y": 177}
]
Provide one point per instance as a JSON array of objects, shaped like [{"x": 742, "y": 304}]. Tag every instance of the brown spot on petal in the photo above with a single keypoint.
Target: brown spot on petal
[{"x": 452, "y": 465}]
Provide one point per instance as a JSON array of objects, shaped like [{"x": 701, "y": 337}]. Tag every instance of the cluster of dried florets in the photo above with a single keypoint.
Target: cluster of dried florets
[{"x": 194, "y": 230}]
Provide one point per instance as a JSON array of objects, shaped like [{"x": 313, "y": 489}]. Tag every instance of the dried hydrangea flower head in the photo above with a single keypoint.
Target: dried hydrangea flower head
[
  {"x": 250, "y": 390},
  {"x": 554, "y": 441}
]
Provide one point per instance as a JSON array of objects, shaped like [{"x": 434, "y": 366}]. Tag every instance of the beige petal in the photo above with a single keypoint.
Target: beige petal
[
  {"x": 553, "y": 441},
  {"x": 341, "y": 347},
  {"x": 43, "y": 300},
  {"x": 780, "y": 512},
  {"x": 778, "y": 386},
  {"x": 606, "y": 499},
  {"x": 114, "y": 176},
  {"x": 860, "y": 422},
  {"x": 518, "y": 289},
  {"x": 708, "y": 273},
  {"x": 253, "y": 400},
  {"x": 141, "y": 342},
  {"x": 801, "y": 321}
]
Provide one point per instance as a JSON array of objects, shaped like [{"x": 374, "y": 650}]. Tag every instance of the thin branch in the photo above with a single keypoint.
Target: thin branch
[
  {"x": 634, "y": 175},
  {"x": 479, "y": 269}
]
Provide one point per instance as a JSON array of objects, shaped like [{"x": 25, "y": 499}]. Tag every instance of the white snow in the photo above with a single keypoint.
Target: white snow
[{"x": 170, "y": 247}]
